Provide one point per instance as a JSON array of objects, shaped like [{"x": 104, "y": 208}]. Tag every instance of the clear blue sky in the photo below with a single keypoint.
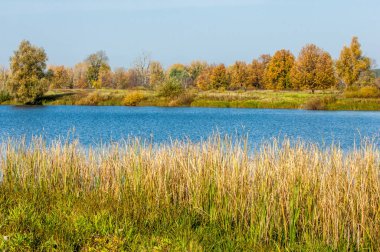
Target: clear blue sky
[{"x": 181, "y": 31}]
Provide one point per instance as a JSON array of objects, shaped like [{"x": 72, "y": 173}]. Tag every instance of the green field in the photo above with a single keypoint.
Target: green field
[{"x": 323, "y": 100}]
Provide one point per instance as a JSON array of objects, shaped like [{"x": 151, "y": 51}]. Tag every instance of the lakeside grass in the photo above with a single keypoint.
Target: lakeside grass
[
  {"x": 209, "y": 196},
  {"x": 326, "y": 100}
]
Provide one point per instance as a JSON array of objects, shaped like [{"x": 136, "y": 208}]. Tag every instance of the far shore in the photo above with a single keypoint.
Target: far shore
[{"x": 260, "y": 99}]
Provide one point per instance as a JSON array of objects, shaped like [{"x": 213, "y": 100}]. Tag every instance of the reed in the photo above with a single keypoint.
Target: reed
[{"x": 218, "y": 194}]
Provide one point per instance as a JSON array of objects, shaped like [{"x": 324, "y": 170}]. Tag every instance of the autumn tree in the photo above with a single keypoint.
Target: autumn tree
[
  {"x": 80, "y": 75},
  {"x": 105, "y": 78},
  {"x": 219, "y": 77},
  {"x": 4, "y": 76},
  {"x": 60, "y": 77},
  {"x": 277, "y": 73},
  {"x": 195, "y": 69},
  {"x": 96, "y": 62},
  {"x": 352, "y": 65},
  {"x": 120, "y": 78},
  {"x": 133, "y": 77},
  {"x": 203, "y": 80},
  {"x": 156, "y": 74},
  {"x": 28, "y": 65},
  {"x": 180, "y": 73},
  {"x": 256, "y": 71},
  {"x": 313, "y": 69},
  {"x": 238, "y": 73}
]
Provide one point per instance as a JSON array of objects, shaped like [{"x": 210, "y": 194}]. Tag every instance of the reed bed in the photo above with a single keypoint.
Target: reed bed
[{"x": 214, "y": 195}]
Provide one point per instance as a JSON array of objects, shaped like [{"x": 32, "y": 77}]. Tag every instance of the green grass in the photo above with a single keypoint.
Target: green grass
[
  {"x": 332, "y": 100},
  {"x": 210, "y": 196}
]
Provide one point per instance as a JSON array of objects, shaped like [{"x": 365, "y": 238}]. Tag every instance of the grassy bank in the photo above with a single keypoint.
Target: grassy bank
[
  {"x": 211, "y": 196},
  {"x": 326, "y": 100}
]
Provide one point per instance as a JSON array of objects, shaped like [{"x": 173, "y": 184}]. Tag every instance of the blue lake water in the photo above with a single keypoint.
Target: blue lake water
[{"x": 94, "y": 125}]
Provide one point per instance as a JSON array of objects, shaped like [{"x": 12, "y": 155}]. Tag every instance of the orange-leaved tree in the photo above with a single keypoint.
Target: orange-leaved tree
[
  {"x": 313, "y": 69},
  {"x": 277, "y": 73}
]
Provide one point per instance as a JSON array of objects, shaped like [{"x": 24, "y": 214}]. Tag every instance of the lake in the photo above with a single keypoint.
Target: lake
[{"x": 94, "y": 125}]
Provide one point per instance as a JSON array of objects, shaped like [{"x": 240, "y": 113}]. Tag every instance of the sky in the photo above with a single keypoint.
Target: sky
[{"x": 217, "y": 31}]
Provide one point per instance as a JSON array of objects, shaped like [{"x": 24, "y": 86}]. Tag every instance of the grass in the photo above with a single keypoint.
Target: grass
[
  {"x": 329, "y": 100},
  {"x": 209, "y": 196}
]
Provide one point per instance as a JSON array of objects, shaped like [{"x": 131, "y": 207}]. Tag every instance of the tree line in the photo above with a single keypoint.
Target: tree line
[{"x": 29, "y": 76}]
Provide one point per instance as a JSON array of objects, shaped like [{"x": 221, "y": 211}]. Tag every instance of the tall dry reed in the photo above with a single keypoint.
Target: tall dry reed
[{"x": 282, "y": 195}]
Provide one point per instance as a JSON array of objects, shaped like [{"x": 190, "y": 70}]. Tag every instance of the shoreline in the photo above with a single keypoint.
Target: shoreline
[
  {"x": 254, "y": 99},
  {"x": 186, "y": 107}
]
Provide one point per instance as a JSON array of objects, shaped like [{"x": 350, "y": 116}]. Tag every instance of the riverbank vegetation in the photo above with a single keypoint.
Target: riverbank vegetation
[
  {"x": 348, "y": 82},
  {"x": 214, "y": 195},
  {"x": 359, "y": 99}
]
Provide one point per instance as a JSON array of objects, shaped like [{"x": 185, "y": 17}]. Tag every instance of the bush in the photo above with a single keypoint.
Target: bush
[
  {"x": 91, "y": 99},
  {"x": 183, "y": 100},
  {"x": 318, "y": 103},
  {"x": 315, "y": 104},
  {"x": 364, "y": 92},
  {"x": 4, "y": 96},
  {"x": 170, "y": 88},
  {"x": 132, "y": 99}
]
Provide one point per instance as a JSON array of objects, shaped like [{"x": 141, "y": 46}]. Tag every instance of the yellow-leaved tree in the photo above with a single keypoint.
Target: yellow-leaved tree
[
  {"x": 156, "y": 74},
  {"x": 277, "y": 73},
  {"x": 60, "y": 77},
  {"x": 352, "y": 65},
  {"x": 219, "y": 77},
  {"x": 239, "y": 75},
  {"x": 28, "y": 80},
  {"x": 313, "y": 69}
]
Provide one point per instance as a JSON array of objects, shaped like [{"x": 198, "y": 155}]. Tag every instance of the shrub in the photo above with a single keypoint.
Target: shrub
[
  {"x": 314, "y": 104},
  {"x": 318, "y": 103},
  {"x": 364, "y": 92},
  {"x": 132, "y": 99},
  {"x": 4, "y": 96},
  {"x": 170, "y": 88},
  {"x": 183, "y": 100},
  {"x": 91, "y": 99}
]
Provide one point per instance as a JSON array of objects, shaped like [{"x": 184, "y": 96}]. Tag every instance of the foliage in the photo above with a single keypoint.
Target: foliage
[
  {"x": 256, "y": 71},
  {"x": 28, "y": 65},
  {"x": 156, "y": 74},
  {"x": 185, "y": 99},
  {"x": 180, "y": 73},
  {"x": 351, "y": 64},
  {"x": 195, "y": 69},
  {"x": 4, "y": 96},
  {"x": 133, "y": 98},
  {"x": 207, "y": 196},
  {"x": 80, "y": 75},
  {"x": 105, "y": 78},
  {"x": 92, "y": 99},
  {"x": 219, "y": 77},
  {"x": 121, "y": 78},
  {"x": 4, "y": 77},
  {"x": 60, "y": 77},
  {"x": 96, "y": 62},
  {"x": 363, "y": 92},
  {"x": 277, "y": 73},
  {"x": 172, "y": 87},
  {"x": 203, "y": 81},
  {"x": 313, "y": 69},
  {"x": 239, "y": 75}
]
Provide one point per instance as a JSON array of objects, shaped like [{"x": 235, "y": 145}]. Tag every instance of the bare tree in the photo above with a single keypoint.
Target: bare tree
[{"x": 141, "y": 65}]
